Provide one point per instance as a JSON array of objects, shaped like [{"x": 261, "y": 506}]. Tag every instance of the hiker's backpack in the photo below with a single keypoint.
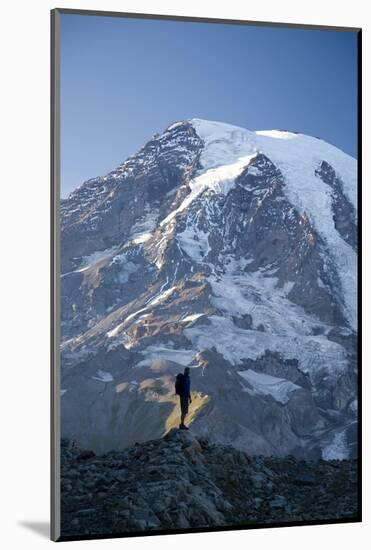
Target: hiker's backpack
[{"x": 179, "y": 383}]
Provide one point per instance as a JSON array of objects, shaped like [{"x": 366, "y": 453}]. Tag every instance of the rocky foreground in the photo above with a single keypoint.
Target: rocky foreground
[{"x": 182, "y": 481}]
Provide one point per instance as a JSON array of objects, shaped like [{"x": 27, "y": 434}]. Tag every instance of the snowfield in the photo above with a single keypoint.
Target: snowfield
[
  {"x": 337, "y": 449},
  {"x": 238, "y": 293},
  {"x": 154, "y": 354},
  {"x": 314, "y": 353},
  {"x": 229, "y": 149},
  {"x": 264, "y": 384}
]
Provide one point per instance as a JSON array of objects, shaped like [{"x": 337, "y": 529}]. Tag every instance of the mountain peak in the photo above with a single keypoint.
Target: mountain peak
[
  {"x": 228, "y": 250},
  {"x": 214, "y": 127},
  {"x": 207, "y": 128}
]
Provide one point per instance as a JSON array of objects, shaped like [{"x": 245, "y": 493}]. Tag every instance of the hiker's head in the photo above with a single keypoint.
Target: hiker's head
[{"x": 187, "y": 371}]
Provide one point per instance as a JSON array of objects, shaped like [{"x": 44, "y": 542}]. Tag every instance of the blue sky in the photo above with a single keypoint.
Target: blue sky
[{"x": 122, "y": 80}]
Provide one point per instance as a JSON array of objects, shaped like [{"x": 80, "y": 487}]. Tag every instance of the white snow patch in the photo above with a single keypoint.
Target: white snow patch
[
  {"x": 220, "y": 180},
  {"x": 254, "y": 171},
  {"x": 127, "y": 267},
  {"x": 313, "y": 353},
  {"x": 265, "y": 384},
  {"x": 115, "y": 331},
  {"x": 320, "y": 283},
  {"x": 142, "y": 230},
  {"x": 103, "y": 376},
  {"x": 194, "y": 243},
  {"x": 141, "y": 238},
  {"x": 337, "y": 449},
  {"x": 132, "y": 315},
  {"x": 157, "y": 353},
  {"x": 175, "y": 125},
  {"x": 161, "y": 296},
  {"x": 277, "y": 134},
  {"x": 191, "y": 318},
  {"x": 89, "y": 261},
  {"x": 237, "y": 292},
  {"x": 224, "y": 144},
  {"x": 144, "y": 316}
]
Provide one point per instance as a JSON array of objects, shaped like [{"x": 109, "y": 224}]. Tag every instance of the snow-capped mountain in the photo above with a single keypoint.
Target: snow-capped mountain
[{"x": 233, "y": 252}]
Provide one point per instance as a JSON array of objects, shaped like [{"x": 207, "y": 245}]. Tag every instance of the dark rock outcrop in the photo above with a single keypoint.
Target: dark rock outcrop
[{"x": 183, "y": 481}]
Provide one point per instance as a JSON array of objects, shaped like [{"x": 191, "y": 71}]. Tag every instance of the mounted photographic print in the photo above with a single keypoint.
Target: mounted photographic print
[{"x": 205, "y": 277}]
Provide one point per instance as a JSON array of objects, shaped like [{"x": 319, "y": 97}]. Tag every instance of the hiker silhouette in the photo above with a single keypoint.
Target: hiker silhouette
[{"x": 183, "y": 389}]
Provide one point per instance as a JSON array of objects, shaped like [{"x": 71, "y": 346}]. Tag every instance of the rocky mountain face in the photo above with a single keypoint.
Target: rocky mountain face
[
  {"x": 182, "y": 481},
  {"x": 232, "y": 252}
]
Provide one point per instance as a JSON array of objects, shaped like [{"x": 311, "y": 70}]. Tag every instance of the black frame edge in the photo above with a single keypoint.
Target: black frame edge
[
  {"x": 166, "y": 532},
  {"x": 196, "y": 19},
  {"x": 359, "y": 267}
]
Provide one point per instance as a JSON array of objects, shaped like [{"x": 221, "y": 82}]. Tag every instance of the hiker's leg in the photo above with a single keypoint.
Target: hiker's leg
[
  {"x": 182, "y": 415},
  {"x": 183, "y": 408}
]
